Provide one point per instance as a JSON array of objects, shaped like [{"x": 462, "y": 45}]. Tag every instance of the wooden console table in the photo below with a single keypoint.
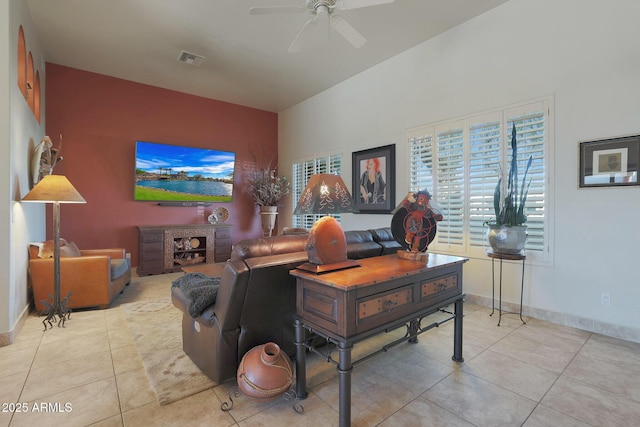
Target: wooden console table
[{"x": 382, "y": 294}]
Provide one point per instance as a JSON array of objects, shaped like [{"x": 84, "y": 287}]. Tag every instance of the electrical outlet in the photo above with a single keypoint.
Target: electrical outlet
[{"x": 605, "y": 299}]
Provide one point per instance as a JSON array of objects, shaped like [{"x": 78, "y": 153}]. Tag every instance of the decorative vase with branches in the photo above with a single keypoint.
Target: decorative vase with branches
[
  {"x": 266, "y": 187},
  {"x": 267, "y": 190}
]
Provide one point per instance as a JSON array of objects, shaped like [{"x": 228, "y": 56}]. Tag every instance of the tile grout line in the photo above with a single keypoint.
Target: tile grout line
[
  {"x": 539, "y": 403},
  {"x": 113, "y": 367},
  {"x": 26, "y": 378}
]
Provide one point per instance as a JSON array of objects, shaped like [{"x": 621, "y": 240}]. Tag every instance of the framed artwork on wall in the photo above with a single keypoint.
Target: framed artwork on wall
[
  {"x": 610, "y": 162},
  {"x": 374, "y": 179}
]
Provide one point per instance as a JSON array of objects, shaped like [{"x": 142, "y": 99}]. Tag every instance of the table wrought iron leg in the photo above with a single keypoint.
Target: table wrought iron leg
[
  {"x": 522, "y": 291},
  {"x": 500, "y": 300},
  {"x": 414, "y": 326},
  {"x": 344, "y": 372},
  {"x": 493, "y": 287},
  {"x": 301, "y": 361},
  {"x": 457, "y": 331}
]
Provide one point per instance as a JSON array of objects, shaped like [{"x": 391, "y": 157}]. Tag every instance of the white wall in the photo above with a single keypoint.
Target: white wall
[
  {"x": 4, "y": 165},
  {"x": 19, "y": 132},
  {"x": 584, "y": 53}
]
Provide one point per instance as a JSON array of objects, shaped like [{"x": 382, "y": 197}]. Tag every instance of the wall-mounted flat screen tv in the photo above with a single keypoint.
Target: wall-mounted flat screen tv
[{"x": 175, "y": 173}]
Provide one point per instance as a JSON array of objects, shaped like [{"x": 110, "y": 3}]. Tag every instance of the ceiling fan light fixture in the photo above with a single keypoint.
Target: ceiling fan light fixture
[{"x": 324, "y": 9}]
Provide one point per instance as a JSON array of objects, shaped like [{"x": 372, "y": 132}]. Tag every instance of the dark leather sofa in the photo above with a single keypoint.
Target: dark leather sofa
[{"x": 256, "y": 300}]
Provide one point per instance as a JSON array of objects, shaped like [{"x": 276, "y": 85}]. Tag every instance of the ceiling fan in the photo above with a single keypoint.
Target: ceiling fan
[{"x": 323, "y": 10}]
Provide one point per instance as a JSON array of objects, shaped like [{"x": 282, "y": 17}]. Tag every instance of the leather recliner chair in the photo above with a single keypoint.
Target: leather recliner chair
[{"x": 256, "y": 301}]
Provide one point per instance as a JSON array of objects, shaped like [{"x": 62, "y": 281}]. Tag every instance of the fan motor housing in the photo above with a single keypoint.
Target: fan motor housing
[{"x": 313, "y": 4}]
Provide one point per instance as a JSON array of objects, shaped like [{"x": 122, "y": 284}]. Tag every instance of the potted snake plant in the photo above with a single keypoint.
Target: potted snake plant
[{"x": 507, "y": 233}]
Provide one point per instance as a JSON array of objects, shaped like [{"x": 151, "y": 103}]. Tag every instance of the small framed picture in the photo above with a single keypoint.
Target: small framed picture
[
  {"x": 609, "y": 162},
  {"x": 374, "y": 179}
]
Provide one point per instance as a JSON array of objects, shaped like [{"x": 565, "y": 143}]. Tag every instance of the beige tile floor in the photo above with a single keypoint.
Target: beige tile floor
[{"x": 534, "y": 374}]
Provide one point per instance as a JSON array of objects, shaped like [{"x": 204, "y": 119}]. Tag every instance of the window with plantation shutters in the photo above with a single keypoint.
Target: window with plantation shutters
[
  {"x": 302, "y": 171},
  {"x": 450, "y": 185},
  {"x": 530, "y": 131},
  {"x": 460, "y": 162},
  {"x": 421, "y": 160},
  {"x": 441, "y": 149},
  {"x": 485, "y": 164}
]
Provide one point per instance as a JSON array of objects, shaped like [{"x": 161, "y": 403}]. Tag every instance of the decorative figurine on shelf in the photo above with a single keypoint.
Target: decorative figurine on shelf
[
  {"x": 44, "y": 159},
  {"x": 414, "y": 224}
]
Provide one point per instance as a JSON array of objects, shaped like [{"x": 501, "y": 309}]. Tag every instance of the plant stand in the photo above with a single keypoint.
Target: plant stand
[{"x": 501, "y": 257}]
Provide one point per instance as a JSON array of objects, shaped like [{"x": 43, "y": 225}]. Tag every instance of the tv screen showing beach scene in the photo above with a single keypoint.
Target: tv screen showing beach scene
[{"x": 175, "y": 173}]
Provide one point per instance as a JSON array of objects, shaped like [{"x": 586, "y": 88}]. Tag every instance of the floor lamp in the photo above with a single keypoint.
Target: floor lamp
[{"x": 55, "y": 189}]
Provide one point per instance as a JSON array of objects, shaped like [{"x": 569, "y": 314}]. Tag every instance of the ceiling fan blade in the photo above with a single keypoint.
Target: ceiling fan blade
[
  {"x": 347, "y": 31},
  {"x": 355, "y": 4},
  {"x": 276, "y": 9},
  {"x": 297, "y": 43}
]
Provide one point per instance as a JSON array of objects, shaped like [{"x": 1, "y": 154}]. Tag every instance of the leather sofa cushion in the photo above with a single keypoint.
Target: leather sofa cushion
[
  {"x": 276, "y": 245},
  {"x": 360, "y": 244},
  {"x": 384, "y": 237},
  {"x": 382, "y": 234},
  {"x": 294, "y": 230},
  {"x": 119, "y": 267}
]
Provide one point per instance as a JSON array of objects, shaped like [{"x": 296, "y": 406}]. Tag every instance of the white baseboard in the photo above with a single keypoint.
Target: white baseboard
[
  {"x": 591, "y": 325},
  {"x": 8, "y": 337}
]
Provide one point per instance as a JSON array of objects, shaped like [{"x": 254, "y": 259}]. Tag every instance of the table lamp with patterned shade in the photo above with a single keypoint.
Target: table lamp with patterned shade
[
  {"x": 327, "y": 245},
  {"x": 55, "y": 189}
]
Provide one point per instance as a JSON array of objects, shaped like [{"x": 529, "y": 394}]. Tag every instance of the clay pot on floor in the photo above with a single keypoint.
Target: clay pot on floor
[{"x": 265, "y": 372}]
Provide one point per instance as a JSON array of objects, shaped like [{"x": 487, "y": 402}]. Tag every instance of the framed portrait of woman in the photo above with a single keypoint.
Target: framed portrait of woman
[{"x": 374, "y": 179}]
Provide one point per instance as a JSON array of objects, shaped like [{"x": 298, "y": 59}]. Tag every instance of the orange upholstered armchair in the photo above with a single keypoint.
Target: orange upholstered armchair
[{"x": 93, "y": 276}]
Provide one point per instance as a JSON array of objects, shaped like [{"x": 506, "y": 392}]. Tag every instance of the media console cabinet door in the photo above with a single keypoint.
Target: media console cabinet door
[{"x": 151, "y": 251}]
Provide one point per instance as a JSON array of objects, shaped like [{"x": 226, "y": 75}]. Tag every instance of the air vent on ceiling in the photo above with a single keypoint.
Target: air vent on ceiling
[{"x": 190, "y": 58}]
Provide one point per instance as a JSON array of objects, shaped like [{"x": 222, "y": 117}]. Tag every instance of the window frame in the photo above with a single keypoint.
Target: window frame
[{"x": 542, "y": 256}]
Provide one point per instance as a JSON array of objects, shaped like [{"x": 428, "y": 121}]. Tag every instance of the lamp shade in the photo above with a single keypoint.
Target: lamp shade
[
  {"x": 54, "y": 188},
  {"x": 325, "y": 194}
]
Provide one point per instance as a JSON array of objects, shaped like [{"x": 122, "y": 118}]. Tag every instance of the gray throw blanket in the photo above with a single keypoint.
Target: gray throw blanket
[{"x": 200, "y": 290}]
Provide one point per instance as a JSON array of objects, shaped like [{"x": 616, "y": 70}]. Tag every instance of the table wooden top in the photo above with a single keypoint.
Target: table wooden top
[
  {"x": 210, "y": 269},
  {"x": 377, "y": 269}
]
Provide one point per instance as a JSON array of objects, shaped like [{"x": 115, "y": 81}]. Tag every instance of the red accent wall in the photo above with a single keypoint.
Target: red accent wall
[{"x": 101, "y": 117}]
